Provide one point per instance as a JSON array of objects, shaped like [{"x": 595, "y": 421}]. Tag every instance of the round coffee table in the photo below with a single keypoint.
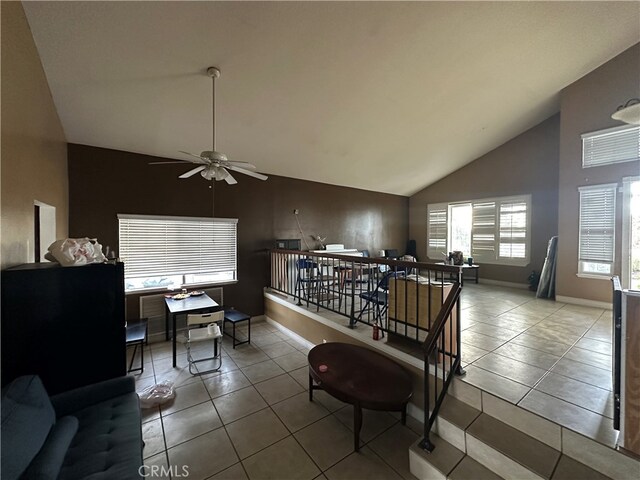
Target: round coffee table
[{"x": 361, "y": 377}]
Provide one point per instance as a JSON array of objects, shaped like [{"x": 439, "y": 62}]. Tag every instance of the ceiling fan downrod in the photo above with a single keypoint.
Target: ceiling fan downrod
[{"x": 214, "y": 73}]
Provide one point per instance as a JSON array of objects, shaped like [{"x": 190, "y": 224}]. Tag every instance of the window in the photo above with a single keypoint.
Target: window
[
  {"x": 171, "y": 252},
  {"x": 597, "y": 230},
  {"x": 614, "y": 145},
  {"x": 494, "y": 230}
]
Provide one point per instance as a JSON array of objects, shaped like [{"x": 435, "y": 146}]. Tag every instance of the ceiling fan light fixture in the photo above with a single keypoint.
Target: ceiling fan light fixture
[{"x": 628, "y": 112}]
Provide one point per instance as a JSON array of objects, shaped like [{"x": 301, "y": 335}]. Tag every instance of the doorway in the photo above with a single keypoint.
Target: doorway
[{"x": 44, "y": 228}]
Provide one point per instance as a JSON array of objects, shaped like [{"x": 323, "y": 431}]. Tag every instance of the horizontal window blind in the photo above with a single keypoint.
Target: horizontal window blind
[
  {"x": 437, "y": 230},
  {"x": 597, "y": 224},
  {"x": 152, "y": 246},
  {"x": 513, "y": 229},
  {"x": 614, "y": 145}
]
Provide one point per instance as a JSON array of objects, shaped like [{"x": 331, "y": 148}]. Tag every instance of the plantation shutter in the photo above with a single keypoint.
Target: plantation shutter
[
  {"x": 614, "y": 145},
  {"x": 483, "y": 231},
  {"x": 437, "y": 230},
  {"x": 162, "y": 246},
  {"x": 513, "y": 229},
  {"x": 597, "y": 226}
]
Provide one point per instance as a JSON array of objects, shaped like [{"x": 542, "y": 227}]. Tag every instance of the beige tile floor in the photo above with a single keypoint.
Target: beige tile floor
[
  {"x": 548, "y": 357},
  {"x": 253, "y": 419},
  {"x": 551, "y": 358}
]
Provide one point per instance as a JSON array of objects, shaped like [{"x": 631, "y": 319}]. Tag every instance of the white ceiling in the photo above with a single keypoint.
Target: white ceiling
[{"x": 384, "y": 96}]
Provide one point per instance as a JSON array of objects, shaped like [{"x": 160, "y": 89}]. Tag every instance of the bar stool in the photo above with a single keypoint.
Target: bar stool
[
  {"x": 234, "y": 316},
  {"x": 136, "y": 336},
  {"x": 209, "y": 333}
]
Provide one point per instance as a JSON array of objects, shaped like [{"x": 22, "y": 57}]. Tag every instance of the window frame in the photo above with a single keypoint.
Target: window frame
[
  {"x": 170, "y": 234},
  {"x": 491, "y": 230},
  {"x": 583, "y": 272}
]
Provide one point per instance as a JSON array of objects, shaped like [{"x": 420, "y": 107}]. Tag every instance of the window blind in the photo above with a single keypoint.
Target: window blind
[
  {"x": 437, "y": 230},
  {"x": 152, "y": 246},
  {"x": 513, "y": 229},
  {"x": 597, "y": 228},
  {"x": 483, "y": 231},
  {"x": 614, "y": 145}
]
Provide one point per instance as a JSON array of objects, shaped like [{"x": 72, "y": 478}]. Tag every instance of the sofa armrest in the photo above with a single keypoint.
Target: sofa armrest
[{"x": 67, "y": 403}]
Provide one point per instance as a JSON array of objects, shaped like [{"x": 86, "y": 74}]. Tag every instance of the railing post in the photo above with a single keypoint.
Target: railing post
[
  {"x": 352, "y": 314},
  {"x": 425, "y": 443},
  {"x": 459, "y": 370}
]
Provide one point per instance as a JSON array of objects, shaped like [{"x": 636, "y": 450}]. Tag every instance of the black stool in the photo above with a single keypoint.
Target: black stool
[
  {"x": 136, "y": 336},
  {"x": 234, "y": 316}
]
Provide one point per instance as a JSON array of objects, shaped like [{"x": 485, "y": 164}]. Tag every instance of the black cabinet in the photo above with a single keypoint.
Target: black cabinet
[{"x": 66, "y": 324}]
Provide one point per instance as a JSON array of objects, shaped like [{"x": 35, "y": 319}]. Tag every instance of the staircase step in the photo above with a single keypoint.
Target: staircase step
[
  {"x": 469, "y": 469},
  {"x": 569, "y": 469},
  {"x": 436, "y": 465},
  {"x": 453, "y": 419},
  {"x": 509, "y": 452}
]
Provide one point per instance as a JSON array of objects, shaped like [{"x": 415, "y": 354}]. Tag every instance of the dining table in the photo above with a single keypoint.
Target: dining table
[{"x": 190, "y": 304}]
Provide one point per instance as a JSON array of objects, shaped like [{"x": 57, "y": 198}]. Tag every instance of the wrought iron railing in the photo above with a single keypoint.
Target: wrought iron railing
[{"x": 410, "y": 301}]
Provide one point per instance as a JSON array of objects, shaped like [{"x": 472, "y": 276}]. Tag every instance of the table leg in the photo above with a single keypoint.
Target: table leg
[
  {"x": 403, "y": 419},
  {"x": 357, "y": 426},
  {"x": 477, "y": 270},
  {"x": 173, "y": 340},
  {"x": 310, "y": 388},
  {"x": 166, "y": 324}
]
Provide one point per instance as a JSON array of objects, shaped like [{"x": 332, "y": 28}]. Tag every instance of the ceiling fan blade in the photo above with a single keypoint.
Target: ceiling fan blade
[
  {"x": 229, "y": 179},
  {"x": 242, "y": 164},
  {"x": 200, "y": 159},
  {"x": 247, "y": 172},
  {"x": 163, "y": 163},
  {"x": 192, "y": 172}
]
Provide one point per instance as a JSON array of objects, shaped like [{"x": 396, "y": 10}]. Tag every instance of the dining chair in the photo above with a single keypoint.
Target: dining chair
[
  {"x": 379, "y": 297},
  {"x": 210, "y": 332},
  {"x": 308, "y": 278}
]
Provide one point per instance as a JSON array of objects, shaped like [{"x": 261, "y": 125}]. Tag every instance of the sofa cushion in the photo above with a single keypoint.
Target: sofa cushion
[
  {"x": 47, "y": 464},
  {"x": 108, "y": 443},
  {"x": 27, "y": 418}
]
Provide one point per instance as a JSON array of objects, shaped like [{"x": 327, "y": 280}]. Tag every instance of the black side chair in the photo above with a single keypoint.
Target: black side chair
[
  {"x": 379, "y": 297},
  {"x": 136, "y": 336},
  {"x": 308, "y": 278}
]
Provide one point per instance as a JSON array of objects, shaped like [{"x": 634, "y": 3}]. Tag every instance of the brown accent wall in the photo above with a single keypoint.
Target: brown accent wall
[
  {"x": 103, "y": 183},
  {"x": 586, "y": 106},
  {"x": 527, "y": 164},
  {"x": 34, "y": 150}
]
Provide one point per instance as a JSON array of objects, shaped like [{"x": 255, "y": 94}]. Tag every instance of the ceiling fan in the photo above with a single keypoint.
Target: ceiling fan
[{"x": 214, "y": 165}]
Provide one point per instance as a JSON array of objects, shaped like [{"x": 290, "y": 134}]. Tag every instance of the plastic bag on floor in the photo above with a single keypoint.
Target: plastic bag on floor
[{"x": 157, "y": 394}]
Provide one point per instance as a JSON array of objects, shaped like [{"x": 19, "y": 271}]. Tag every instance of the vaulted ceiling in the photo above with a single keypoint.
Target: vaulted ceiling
[{"x": 383, "y": 96}]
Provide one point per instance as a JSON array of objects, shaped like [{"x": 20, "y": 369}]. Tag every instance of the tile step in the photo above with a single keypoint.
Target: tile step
[
  {"x": 471, "y": 404},
  {"x": 448, "y": 462}
]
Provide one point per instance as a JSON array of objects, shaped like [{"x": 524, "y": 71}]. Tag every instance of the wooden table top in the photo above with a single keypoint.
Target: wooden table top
[{"x": 361, "y": 376}]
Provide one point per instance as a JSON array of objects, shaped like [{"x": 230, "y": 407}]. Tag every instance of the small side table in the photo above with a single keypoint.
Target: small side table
[{"x": 234, "y": 317}]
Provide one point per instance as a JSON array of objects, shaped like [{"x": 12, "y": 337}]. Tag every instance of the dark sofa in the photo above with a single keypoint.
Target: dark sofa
[{"x": 92, "y": 432}]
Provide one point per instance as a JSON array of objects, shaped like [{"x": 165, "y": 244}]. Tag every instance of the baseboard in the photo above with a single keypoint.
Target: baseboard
[
  {"x": 584, "y": 302},
  {"x": 500, "y": 283},
  {"x": 292, "y": 334}
]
